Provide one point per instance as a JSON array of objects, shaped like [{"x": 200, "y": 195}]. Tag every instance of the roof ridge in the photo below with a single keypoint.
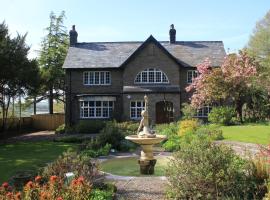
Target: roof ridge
[
  {"x": 110, "y": 42},
  {"x": 127, "y": 42}
]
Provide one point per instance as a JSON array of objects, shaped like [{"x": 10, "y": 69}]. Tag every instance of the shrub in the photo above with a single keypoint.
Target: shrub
[
  {"x": 78, "y": 189},
  {"x": 204, "y": 170},
  {"x": 126, "y": 145},
  {"x": 170, "y": 130},
  {"x": 98, "y": 194},
  {"x": 93, "y": 153},
  {"x": 71, "y": 161},
  {"x": 213, "y": 132},
  {"x": 188, "y": 111},
  {"x": 70, "y": 139},
  {"x": 111, "y": 134},
  {"x": 90, "y": 126},
  {"x": 188, "y": 125},
  {"x": 172, "y": 144},
  {"x": 223, "y": 115},
  {"x": 128, "y": 128},
  {"x": 60, "y": 129},
  {"x": 267, "y": 195}
]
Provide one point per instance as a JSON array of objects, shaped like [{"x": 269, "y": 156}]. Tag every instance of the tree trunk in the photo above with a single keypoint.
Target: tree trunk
[
  {"x": 20, "y": 113},
  {"x": 50, "y": 101},
  {"x": 239, "y": 106},
  {"x": 35, "y": 105},
  {"x": 13, "y": 107},
  {"x": 3, "y": 118}
]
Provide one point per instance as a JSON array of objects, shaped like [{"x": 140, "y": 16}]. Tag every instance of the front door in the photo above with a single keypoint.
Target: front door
[{"x": 164, "y": 112}]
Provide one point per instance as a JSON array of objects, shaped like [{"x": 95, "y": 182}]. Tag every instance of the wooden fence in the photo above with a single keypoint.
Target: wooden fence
[
  {"x": 14, "y": 123},
  {"x": 47, "y": 121}
]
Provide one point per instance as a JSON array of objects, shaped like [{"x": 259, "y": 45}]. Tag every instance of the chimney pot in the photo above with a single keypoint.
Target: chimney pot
[
  {"x": 172, "y": 34},
  {"x": 73, "y": 35}
]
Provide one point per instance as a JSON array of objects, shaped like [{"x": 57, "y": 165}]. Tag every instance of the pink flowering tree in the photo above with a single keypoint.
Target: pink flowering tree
[{"x": 229, "y": 83}]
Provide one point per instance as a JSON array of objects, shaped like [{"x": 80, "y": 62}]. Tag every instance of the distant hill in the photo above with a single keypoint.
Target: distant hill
[{"x": 42, "y": 107}]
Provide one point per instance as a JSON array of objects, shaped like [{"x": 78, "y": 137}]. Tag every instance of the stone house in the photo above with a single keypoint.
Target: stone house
[{"x": 109, "y": 79}]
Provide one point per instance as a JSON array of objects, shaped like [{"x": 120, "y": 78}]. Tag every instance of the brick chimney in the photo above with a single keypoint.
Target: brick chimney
[
  {"x": 172, "y": 34},
  {"x": 73, "y": 35}
]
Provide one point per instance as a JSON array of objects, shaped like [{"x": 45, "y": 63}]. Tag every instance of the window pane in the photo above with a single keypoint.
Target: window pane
[
  {"x": 205, "y": 111},
  {"x": 139, "y": 110},
  {"x": 133, "y": 113},
  {"x": 111, "y": 103},
  {"x": 133, "y": 104},
  {"x": 200, "y": 112},
  {"x": 195, "y": 74},
  {"x": 105, "y": 103},
  {"x": 158, "y": 77},
  {"x": 108, "y": 78},
  {"x": 144, "y": 77},
  {"x": 138, "y": 78},
  {"x": 81, "y": 112},
  {"x": 85, "y": 78},
  {"x": 151, "y": 77},
  {"x": 139, "y": 104},
  {"x": 85, "y": 112},
  {"x": 164, "y": 78},
  {"x": 97, "y": 81},
  {"x": 91, "y": 112},
  {"x": 102, "y": 78},
  {"x": 98, "y": 103},
  {"x": 189, "y": 76},
  {"x": 110, "y": 112},
  {"x": 91, "y": 103},
  {"x": 91, "y": 78},
  {"x": 105, "y": 112},
  {"x": 98, "y": 112}
]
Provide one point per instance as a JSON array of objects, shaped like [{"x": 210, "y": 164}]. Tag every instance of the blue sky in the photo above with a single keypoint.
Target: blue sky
[{"x": 134, "y": 20}]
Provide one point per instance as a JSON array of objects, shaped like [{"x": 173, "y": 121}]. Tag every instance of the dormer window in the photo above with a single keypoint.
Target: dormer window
[
  {"x": 97, "y": 78},
  {"x": 151, "y": 75}
]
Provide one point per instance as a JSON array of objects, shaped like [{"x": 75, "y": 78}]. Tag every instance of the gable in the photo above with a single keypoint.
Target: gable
[
  {"x": 148, "y": 48},
  {"x": 150, "y": 56}
]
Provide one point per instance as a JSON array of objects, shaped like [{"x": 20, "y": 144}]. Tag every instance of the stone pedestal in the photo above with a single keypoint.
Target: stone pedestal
[
  {"x": 147, "y": 166},
  {"x": 147, "y": 152}
]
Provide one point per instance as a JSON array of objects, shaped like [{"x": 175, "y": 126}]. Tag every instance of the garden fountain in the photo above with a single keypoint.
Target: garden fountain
[{"x": 146, "y": 138}]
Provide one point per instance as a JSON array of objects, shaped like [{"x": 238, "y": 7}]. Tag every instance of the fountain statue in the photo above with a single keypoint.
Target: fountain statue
[
  {"x": 146, "y": 138},
  {"x": 146, "y": 132}
]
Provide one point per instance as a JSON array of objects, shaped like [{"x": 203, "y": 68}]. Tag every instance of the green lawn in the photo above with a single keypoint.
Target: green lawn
[
  {"x": 251, "y": 133},
  {"x": 27, "y": 156}
]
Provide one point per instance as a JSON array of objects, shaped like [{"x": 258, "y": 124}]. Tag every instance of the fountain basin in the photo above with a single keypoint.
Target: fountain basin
[{"x": 146, "y": 141}]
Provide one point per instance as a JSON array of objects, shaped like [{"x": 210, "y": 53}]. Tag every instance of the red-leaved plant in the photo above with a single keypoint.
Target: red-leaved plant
[{"x": 55, "y": 189}]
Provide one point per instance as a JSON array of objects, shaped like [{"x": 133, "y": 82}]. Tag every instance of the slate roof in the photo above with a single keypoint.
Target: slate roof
[{"x": 115, "y": 54}]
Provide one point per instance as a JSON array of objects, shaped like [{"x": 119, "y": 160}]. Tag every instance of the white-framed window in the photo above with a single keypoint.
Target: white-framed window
[
  {"x": 203, "y": 111},
  {"x": 191, "y": 74},
  {"x": 136, "y": 108},
  {"x": 96, "y": 109},
  {"x": 97, "y": 78},
  {"x": 151, "y": 75}
]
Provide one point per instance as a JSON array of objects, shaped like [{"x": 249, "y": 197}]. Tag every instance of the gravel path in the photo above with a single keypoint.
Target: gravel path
[
  {"x": 140, "y": 188},
  {"x": 241, "y": 148},
  {"x": 42, "y": 136}
]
